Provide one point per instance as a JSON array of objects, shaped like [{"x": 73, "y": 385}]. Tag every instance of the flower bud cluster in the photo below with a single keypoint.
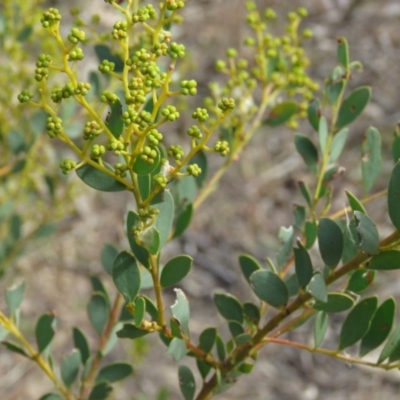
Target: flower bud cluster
[
  {"x": 97, "y": 151},
  {"x": 120, "y": 30},
  {"x": 116, "y": 146},
  {"x": 120, "y": 169},
  {"x": 148, "y": 155},
  {"x": 76, "y": 55},
  {"x": 222, "y": 147},
  {"x": 201, "y": 114},
  {"x": 175, "y": 151},
  {"x": 154, "y": 137},
  {"x": 189, "y": 87},
  {"x": 50, "y": 17},
  {"x": 82, "y": 88},
  {"x": 25, "y": 96},
  {"x": 92, "y": 130},
  {"x": 42, "y": 64},
  {"x": 53, "y": 126},
  {"x": 67, "y": 166},
  {"x": 195, "y": 132},
  {"x": 106, "y": 66},
  {"x": 175, "y": 5},
  {"x": 193, "y": 169},
  {"x": 108, "y": 97},
  {"x": 170, "y": 113},
  {"x": 76, "y": 36},
  {"x": 144, "y": 14}
]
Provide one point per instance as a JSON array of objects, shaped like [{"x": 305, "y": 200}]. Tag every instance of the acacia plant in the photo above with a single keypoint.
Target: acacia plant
[{"x": 133, "y": 149}]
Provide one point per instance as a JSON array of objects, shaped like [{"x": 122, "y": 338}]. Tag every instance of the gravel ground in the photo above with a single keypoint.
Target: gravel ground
[{"x": 251, "y": 204}]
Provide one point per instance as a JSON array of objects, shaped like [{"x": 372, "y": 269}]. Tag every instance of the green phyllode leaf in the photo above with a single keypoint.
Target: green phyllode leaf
[
  {"x": 114, "y": 372},
  {"x": 317, "y": 288},
  {"x": 394, "y": 196},
  {"x": 108, "y": 255},
  {"x": 314, "y": 114},
  {"x": 371, "y": 162},
  {"x": 270, "y": 288},
  {"x": 207, "y": 339},
  {"x": 181, "y": 312},
  {"x": 336, "y": 302},
  {"x": 281, "y": 113},
  {"x": 177, "y": 349},
  {"x": 183, "y": 220},
  {"x": 101, "y": 391},
  {"x": 15, "y": 348},
  {"x": 380, "y": 328},
  {"x": 126, "y": 275},
  {"x": 44, "y": 331},
  {"x": 360, "y": 280},
  {"x": 387, "y": 260},
  {"x": 187, "y": 383},
  {"x": 392, "y": 347},
  {"x": 338, "y": 143},
  {"x": 367, "y": 232},
  {"x": 175, "y": 270},
  {"x": 98, "y": 311},
  {"x": 165, "y": 218},
  {"x": 52, "y": 396},
  {"x": 343, "y": 52},
  {"x": 303, "y": 265},
  {"x": 130, "y": 331},
  {"x": 151, "y": 240},
  {"x": 70, "y": 367},
  {"x": 81, "y": 343},
  {"x": 14, "y": 296},
  {"x": 114, "y": 121},
  {"x": 140, "y": 310},
  {"x": 248, "y": 265},
  {"x": 307, "y": 150},
  {"x": 141, "y": 167},
  {"x": 99, "y": 180},
  {"x": 353, "y": 106},
  {"x": 320, "y": 328},
  {"x": 330, "y": 242},
  {"x": 229, "y": 307},
  {"x": 354, "y": 203},
  {"x": 357, "y": 322}
]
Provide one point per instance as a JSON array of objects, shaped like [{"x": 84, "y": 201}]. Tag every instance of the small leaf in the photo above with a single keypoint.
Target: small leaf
[
  {"x": 177, "y": 349},
  {"x": 292, "y": 285},
  {"x": 114, "y": 372},
  {"x": 367, "y": 232},
  {"x": 108, "y": 255},
  {"x": 357, "y": 322},
  {"x": 186, "y": 382},
  {"x": 248, "y": 265},
  {"x": 180, "y": 310},
  {"x": 142, "y": 167},
  {"x": 144, "y": 184},
  {"x": 350, "y": 241},
  {"x": 14, "y": 297},
  {"x": 15, "y": 348},
  {"x": 281, "y": 113},
  {"x": 175, "y": 270},
  {"x": 140, "y": 310},
  {"x": 371, "y": 158},
  {"x": 229, "y": 307},
  {"x": 165, "y": 218},
  {"x": 317, "y": 288},
  {"x": 305, "y": 192},
  {"x": 203, "y": 368},
  {"x": 353, "y": 106},
  {"x": 130, "y": 331},
  {"x": 355, "y": 204},
  {"x": 270, "y": 288},
  {"x": 97, "y": 286},
  {"x": 207, "y": 339},
  {"x": 394, "y": 196},
  {"x": 286, "y": 235},
  {"x": 333, "y": 89},
  {"x": 320, "y": 328},
  {"x": 243, "y": 338},
  {"x": 343, "y": 52},
  {"x": 338, "y": 143},
  {"x": 221, "y": 349},
  {"x": 310, "y": 233},
  {"x": 396, "y": 144},
  {"x": 387, "y": 260},
  {"x": 252, "y": 313},
  {"x": 81, "y": 343},
  {"x": 380, "y": 328},
  {"x": 183, "y": 220},
  {"x": 392, "y": 347},
  {"x": 299, "y": 213},
  {"x": 305, "y": 147},
  {"x": 235, "y": 328},
  {"x": 303, "y": 265},
  {"x": 314, "y": 114},
  {"x": 151, "y": 308},
  {"x": 360, "y": 280},
  {"x": 70, "y": 367},
  {"x": 126, "y": 275},
  {"x": 44, "y": 331},
  {"x": 323, "y": 134},
  {"x": 337, "y": 302},
  {"x": 52, "y": 396},
  {"x": 330, "y": 242},
  {"x": 100, "y": 391},
  {"x": 98, "y": 311},
  {"x": 140, "y": 252},
  {"x": 99, "y": 180}
]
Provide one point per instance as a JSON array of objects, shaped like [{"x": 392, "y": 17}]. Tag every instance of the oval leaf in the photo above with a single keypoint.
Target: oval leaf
[
  {"x": 270, "y": 288},
  {"x": 165, "y": 217},
  {"x": 281, "y": 113},
  {"x": 229, "y": 307},
  {"x": 70, "y": 367},
  {"x": 353, "y": 106},
  {"x": 126, "y": 275},
  {"x": 337, "y": 302},
  {"x": 386, "y": 260},
  {"x": 380, "y": 328},
  {"x": 357, "y": 322},
  {"x": 306, "y": 148},
  {"x": 394, "y": 196},
  {"x": 371, "y": 161},
  {"x": 175, "y": 270},
  {"x": 99, "y": 180},
  {"x": 114, "y": 372},
  {"x": 360, "y": 280},
  {"x": 392, "y": 347},
  {"x": 207, "y": 339},
  {"x": 130, "y": 331},
  {"x": 330, "y": 242},
  {"x": 303, "y": 265},
  {"x": 317, "y": 288},
  {"x": 320, "y": 328},
  {"x": 44, "y": 331},
  {"x": 98, "y": 311},
  {"x": 248, "y": 265},
  {"x": 81, "y": 343},
  {"x": 355, "y": 204},
  {"x": 186, "y": 382},
  {"x": 367, "y": 233}
]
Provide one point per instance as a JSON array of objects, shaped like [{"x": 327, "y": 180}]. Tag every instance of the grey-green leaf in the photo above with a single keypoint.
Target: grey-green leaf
[
  {"x": 357, "y": 322},
  {"x": 180, "y": 310},
  {"x": 126, "y": 275},
  {"x": 98, "y": 311},
  {"x": 229, "y": 307},
  {"x": 269, "y": 287},
  {"x": 108, "y": 255},
  {"x": 394, "y": 196},
  {"x": 114, "y": 372},
  {"x": 99, "y": 180},
  {"x": 44, "y": 331},
  {"x": 177, "y": 349},
  {"x": 371, "y": 158},
  {"x": 303, "y": 265},
  {"x": 175, "y": 270},
  {"x": 248, "y": 265},
  {"x": 317, "y": 288},
  {"x": 70, "y": 367},
  {"x": 14, "y": 297},
  {"x": 330, "y": 242},
  {"x": 165, "y": 218},
  {"x": 186, "y": 382},
  {"x": 367, "y": 232},
  {"x": 81, "y": 343},
  {"x": 307, "y": 150},
  {"x": 320, "y": 328},
  {"x": 207, "y": 339},
  {"x": 387, "y": 260},
  {"x": 336, "y": 302}
]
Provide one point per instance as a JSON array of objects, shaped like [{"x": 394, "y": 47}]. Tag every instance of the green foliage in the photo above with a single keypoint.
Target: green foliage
[{"x": 168, "y": 180}]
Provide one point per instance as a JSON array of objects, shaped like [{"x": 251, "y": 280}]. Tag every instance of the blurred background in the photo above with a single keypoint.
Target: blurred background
[{"x": 253, "y": 201}]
